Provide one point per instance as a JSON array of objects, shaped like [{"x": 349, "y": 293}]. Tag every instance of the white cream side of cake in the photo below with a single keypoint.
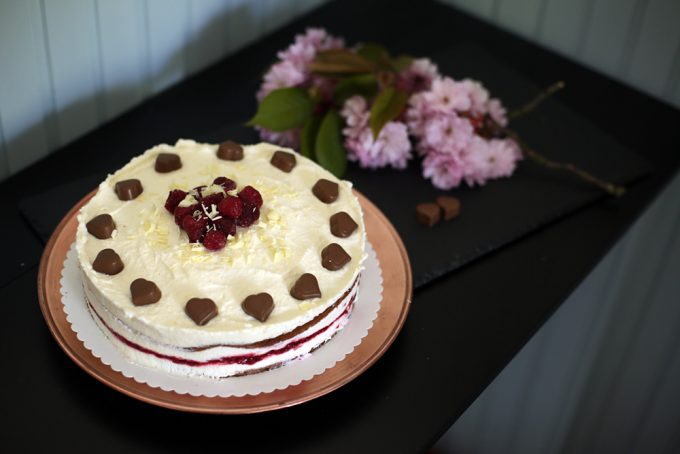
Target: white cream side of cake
[
  {"x": 267, "y": 257},
  {"x": 334, "y": 321}
]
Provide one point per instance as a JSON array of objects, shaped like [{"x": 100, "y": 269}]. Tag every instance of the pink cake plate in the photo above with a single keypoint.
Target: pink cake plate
[{"x": 397, "y": 290}]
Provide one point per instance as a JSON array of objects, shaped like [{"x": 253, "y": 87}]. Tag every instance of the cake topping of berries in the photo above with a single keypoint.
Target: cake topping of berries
[
  {"x": 225, "y": 182},
  {"x": 214, "y": 240},
  {"x": 231, "y": 207},
  {"x": 251, "y": 195},
  {"x": 211, "y": 214},
  {"x": 175, "y": 196}
]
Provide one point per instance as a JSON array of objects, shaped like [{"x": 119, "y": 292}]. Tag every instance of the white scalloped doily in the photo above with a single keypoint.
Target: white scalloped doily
[{"x": 361, "y": 320}]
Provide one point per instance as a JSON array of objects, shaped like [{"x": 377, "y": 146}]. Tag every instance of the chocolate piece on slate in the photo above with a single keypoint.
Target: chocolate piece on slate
[
  {"x": 342, "y": 225},
  {"x": 283, "y": 161},
  {"x": 428, "y": 213},
  {"x": 334, "y": 257},
  {"x": 108, "y": 262},
  {"x": 258, "y": 306},
  {"x": 326, "y": 190},
  {"x": 167, "y": 162},
  {"x": 450, "y": 206},
  {"x": 144, "y": 292},
  {"x": 101, "y": 226},
  {"x": 129, "y": 189},
  {"x": 230, "y": 151},
  {"x": 201, "y": 310},
  {"x": 306, "y": 287}
]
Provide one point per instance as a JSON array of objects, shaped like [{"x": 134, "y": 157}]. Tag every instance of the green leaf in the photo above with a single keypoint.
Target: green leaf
[
  {"x": 387, "y": 105},
  {"x": 340, "y": 61},
  {"x": 375, "y": 53},
  {"x": 308, "y": 137},
  {"x": 330, "y": 152},
  {"x": 283, "y": 109},
  {"x": 361, "y": 84},
  {"x": 401, "y": 62}
]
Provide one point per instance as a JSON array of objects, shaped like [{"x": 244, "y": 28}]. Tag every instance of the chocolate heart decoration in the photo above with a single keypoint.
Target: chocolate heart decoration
[
  {"x": 108, "y": 262},
  {"x": 258, "y": 306},
  {"x": 334, "y": 257},
  {"x": 144, "y": 292},
  {"x": 230, "y": 151},
  {"x": 325, "y": 190},
  {"x": 167, "y": 162},
  {"x": 101, "y": 226},
  {"x": 283, "y": 161},
  {"x": 128, "y": 189},
  {"x": 306, "y": 287},
  {"x": 201, "y": 310}
]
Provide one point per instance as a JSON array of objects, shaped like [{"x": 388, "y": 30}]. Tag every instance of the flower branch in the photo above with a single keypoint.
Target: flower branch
[
  {"x": 530, "y": 106},
  {"x": 336, "y": 103},
  {"x": 610, "y": 188}
]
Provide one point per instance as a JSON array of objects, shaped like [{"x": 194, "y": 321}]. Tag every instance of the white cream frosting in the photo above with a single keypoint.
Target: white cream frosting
[
  {"x": 267, "y": 257},
  {"x": 274, "y": 355}
]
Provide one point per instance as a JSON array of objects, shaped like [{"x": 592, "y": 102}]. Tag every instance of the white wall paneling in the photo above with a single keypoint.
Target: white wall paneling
[
  {"x": 651, "y": 65},
  {"x": 635, "y": 41},
  {"x": 25, "y": 94},
  {"x": 73, "y": 56},
  {"x": 4, "y": 165},
  {"x": 608, "y": 36},
  {"x": 69, "y": 65},
  {"x": 564, "y": 23},
  {"x": 521, "y": 16},
  {"x": 123, "y": 53},
  {"x": 167, "y": 30}
]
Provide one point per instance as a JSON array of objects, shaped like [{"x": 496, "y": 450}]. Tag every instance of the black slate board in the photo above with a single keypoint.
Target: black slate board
[{"x": 493, "y": 216}]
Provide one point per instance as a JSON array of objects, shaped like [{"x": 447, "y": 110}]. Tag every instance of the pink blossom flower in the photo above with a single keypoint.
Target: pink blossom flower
[
  {"x": 356, "y": 115},
  {"x": 447, "y": 95},
  {"x": 445, "y": 170},
  {"x": 292, "y": 70},
  {"x": 502, "y": 155},
  {"x": 489, "y": 159},
  {"x": 299, "y": 54},
  {"x": 419, "y": 76},
  {"x": 281, "y": 75},
  {"x": 319, "y": 39},
  {"x": 416, "y": 114},
  {"x": 495, "y": 109},
  {"x": 323, "y": 86},
  {"x": 478, "y": 96},
  {"x": 392, "y": 147},
  {"x": 447, "y": 133},
  {"x": 477, "y": 164},
  {"x": 290, "y": 138}
]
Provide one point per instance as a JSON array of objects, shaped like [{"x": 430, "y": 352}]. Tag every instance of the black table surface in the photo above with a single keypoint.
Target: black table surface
[{"x": 461, "y": 330}]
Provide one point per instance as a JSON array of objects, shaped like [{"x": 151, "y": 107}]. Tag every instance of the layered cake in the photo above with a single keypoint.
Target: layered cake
[{"x": 220, "y": 260}]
